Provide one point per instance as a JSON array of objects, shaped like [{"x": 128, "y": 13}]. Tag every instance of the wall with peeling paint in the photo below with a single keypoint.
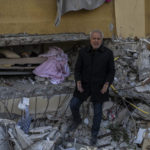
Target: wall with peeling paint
[
  {"x": 38, "y": 16},
  {"x": 130, "y": 18},
  {"x": 147, "y": 17}
]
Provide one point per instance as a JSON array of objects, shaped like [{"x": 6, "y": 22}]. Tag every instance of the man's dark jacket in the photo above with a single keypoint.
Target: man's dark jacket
[{"x": 94, "y": 68}]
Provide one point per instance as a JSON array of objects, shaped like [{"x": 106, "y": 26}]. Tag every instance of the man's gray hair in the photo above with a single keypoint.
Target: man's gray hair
[{"x": 97, "y": 31}]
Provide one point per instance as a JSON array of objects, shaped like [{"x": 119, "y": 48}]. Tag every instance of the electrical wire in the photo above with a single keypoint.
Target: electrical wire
[{"x": 124, "y": 99}]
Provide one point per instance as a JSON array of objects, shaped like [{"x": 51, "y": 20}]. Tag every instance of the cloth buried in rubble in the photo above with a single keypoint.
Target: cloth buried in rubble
[
  {"x": 74, "y": 5},
  {"x": 25, "y": 121},
  {"x": 55, "y": 67}
]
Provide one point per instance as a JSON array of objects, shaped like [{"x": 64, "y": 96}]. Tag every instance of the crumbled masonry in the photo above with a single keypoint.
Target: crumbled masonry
[{"x": 126, "y": 116}]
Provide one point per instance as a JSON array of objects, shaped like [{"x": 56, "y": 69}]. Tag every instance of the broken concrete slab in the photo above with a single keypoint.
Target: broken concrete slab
[
  {"x": 143, "y": 64},
  {"x": 41, "y": 104},
  {"x": 104, "y": 141},
  {"x": 37, "y": 137},
  {"x": 106, "y": 106},
  {"x": 42, "y": 145},
  {"x": 41, "y": 129},
  {"x": 28, "y": 39},
  {"x": 146, "y": 143},
  {"x": 13, "y": 138},
  {"x": 140, "y": 114},
  {"x": 4, "y": 143},
  {"x": 143, "y": 89},
  {"x": 140, "y": 136},
  {"x": 124, "y": 113},
  {"x": 23, "y": 138},
  {"x": 6, "y": 122},
  {"x": 84, "y": 147},
  {"x": 52, "y": 134}
]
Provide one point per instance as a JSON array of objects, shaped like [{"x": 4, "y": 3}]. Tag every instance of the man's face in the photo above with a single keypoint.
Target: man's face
[{"x": 96, "y": 40}]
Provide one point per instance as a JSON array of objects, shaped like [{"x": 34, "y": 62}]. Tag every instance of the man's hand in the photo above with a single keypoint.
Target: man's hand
[
  {"x": 79, "y": 87},
  {"x": 105, "y": 87}
]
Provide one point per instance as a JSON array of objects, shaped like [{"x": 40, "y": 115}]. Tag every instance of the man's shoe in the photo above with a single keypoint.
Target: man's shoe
[
  {"x": 74, "y": 125},
  {"x": 93, "y": 140}
]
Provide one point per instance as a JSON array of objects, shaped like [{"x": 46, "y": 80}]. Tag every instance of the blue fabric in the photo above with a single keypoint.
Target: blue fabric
[
  {"x": 25, "y": 121},
  {"x": 75, "y": 104}
]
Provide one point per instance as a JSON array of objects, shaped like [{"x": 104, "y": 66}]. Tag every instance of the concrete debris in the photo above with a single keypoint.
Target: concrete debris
[
  {"x": 146, "y": 143},
  {"x": 84, "y": 147},
  {"x": 37, "y": 137},
  {"x": 52, "y": 134},
  {"x": 40, "y": 129},
  {"x": 143, "y": 136},
  {"x": 132, "y": 67},
  {"x": 63, "y": 128},
  {"x": 145, "y": 40},
  {"x": 140, "y": 136},
  {"x": 143, "y": 89},
  {"x": 24, "y": 141},
  {"x": 143, "y": 115},
  {"x": 13, "y": 138},
  {"x": 39, "y": 79},
  {"x": 23, "y": 138},
  {"x": 104, "y": 141},
  {"x": 42, "y": 145},
  {"x": 143, "y": 64},
  {"x": 56, "y": 135},
  {"x": 106, "y": 106},
  {"x": 58, "y": 138},
  {"x": 124, "y": 144},
  {"x": 49, "y": 107},
  {"x": 7, "y": 122},
  {"x": 4, "y": 145},
  {"x": 122, "y": 115}
]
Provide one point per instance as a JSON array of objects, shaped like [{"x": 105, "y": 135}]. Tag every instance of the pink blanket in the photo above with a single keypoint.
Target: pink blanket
[{"x": 55, "y": 68}]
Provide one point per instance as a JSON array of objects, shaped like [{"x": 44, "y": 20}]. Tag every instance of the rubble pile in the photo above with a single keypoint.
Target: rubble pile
[
  {"x": 132, "y": 68},
  {"x": 29, "y": 86},
  {"x": 125, "y": 124},
  {"x": 119, "y": 130}
]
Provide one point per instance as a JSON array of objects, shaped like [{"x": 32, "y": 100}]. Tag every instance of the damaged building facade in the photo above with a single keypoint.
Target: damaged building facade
[{"x": 34, "y": 112}]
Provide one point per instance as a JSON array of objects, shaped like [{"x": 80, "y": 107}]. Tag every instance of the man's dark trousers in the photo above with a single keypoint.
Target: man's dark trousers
[{"x": 75, "y": 104}]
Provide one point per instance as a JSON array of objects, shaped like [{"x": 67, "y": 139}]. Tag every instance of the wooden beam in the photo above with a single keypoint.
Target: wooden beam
[
  {"x": 15, "y": 72},
  {"x": 16, "y": 68},
  {"x": 31, "y": 60},
  {"x": 25, "y": 39}
]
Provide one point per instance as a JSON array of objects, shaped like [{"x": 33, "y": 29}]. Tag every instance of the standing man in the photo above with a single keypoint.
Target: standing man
[{"x": 94, "y": 73}]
